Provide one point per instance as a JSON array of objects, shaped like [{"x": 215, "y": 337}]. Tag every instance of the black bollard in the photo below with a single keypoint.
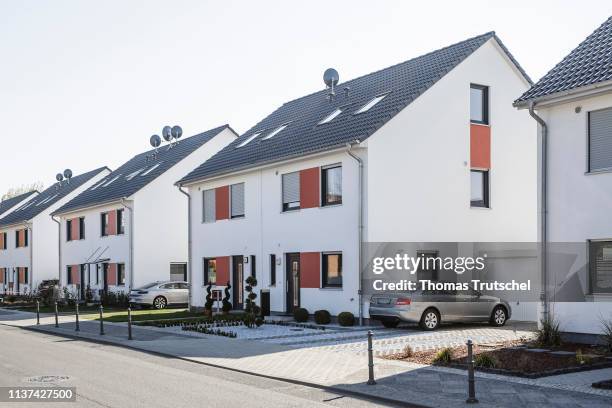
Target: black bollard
[
  {"x": 129, "y": 323},
  {"x": 101, "y": 320},
  {"x": 37, "y": 312},
  {"x": 471, "y": 388},
  {"x": 371, "y": 380},
  {"x": 56, "y": 317},
  {"x": 77, "y": 328}
]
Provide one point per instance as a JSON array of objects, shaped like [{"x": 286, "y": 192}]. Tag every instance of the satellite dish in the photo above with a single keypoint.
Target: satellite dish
[
  {"x": 155, "y": 140},
  {"x": 331, "y": 77},
  {"x": 177, "y": 132},
  {"x": 68, "y": 173},
  {"x": 167, "y": 133},
  {"x": 59, "y": 177}
]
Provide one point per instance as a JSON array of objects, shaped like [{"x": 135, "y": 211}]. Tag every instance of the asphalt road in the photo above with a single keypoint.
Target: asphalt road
[{"x": 109, "y": 376}]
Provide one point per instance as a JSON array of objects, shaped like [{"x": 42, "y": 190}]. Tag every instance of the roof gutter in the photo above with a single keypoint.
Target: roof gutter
[
  {"x": 349, "y": 147},
  {"x": 566, "y": 96},
  {"x": 543, "y": 210},
  {"x": 189, "y": 243},
  {"x": 131, "y": 210}
]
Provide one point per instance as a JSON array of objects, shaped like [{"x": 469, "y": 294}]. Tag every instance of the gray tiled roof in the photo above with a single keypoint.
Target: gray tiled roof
[
  {"x": 47, "y": 198},
  {"x": 403, "y": 82},
  {"x": 130, "y": 177},
  {"x": 587, "y": 64},
  {"x": 9, "y": 203}
]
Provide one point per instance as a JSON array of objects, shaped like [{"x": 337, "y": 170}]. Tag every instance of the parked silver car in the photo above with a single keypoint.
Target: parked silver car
[
  {"x": 161, "y": 294},
  {"x": 430, "y": 308}
]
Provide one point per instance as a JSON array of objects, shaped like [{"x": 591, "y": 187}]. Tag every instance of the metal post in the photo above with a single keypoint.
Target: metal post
[
  {"x": 471, "y": 389},
  {"x": 129, "y": 323},
  {"x": 56, "y": 318},
  {"x": 37, "y": 312},
  {"x": 101, "y": 320},
  {"x": 77, "y": 328},
  {"x": 370, "y": 360}
]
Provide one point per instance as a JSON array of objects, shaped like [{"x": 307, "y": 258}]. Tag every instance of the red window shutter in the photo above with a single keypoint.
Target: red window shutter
[
  {"x": 1, "y": 240},
  {"x": 111, "y": 277},
  {"x": 2, "y": 275},
  {"x": 309, "y": 188},
  {"x": 222, "y": 202},
  {"x": 74, "y": 274},
  {"x": 310, "y": 270},
  {"x": 480, "y": 146},
  {"x": 74, "y": 229},
  {"x": 21, "y": 238},
  {"x": 112, "y": 222},
  {"x": 223, "y": 270}
]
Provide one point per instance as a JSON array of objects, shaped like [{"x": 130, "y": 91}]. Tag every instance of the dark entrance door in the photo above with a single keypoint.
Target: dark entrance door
[
  {"x": 293, "y": 282},
  {"x": 238, "y": 282},
  {"x": 82, "y": 283},
  {"x": 105, "y": 277}
]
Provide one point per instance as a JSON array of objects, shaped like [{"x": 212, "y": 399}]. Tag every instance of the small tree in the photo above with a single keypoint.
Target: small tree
[
  {"x": 209, "y": 300},
  {"x": 253, "y": 312},
  {"x": 227, "y": 305}
]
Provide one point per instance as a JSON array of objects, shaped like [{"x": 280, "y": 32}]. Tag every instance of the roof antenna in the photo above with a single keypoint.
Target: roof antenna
[
  {"x": 68, "y": 175},
  {"x": 155, "y": 141},
  {"x": 331, "y": 77},
  {"x": 59, "y": 177}
]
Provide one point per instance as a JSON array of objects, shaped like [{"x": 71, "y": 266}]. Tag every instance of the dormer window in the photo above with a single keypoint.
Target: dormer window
[
  {"x": 370, "y": 104},
  {"x": 330, "y": 117},
  {"x": 275, "y": 132},
  {"x": 249, "y": 139}
]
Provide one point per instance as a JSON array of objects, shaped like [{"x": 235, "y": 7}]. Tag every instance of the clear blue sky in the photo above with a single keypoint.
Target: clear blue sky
[{"x": 85, "y": 84}]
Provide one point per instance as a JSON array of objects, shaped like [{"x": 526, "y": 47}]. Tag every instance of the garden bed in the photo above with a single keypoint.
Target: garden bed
[{"x": 516, "y": 359}]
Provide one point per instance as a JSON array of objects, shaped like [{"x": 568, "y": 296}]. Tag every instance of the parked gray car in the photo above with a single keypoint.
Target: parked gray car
[
  {"x": 430, "y": 308},
  {"x": 161, "y": 294}
]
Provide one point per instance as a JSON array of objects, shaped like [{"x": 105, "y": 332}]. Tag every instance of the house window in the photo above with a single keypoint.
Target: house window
[
  {"x": 25, "y": 275},
  {"x": 210, "y": 271},
  {"x": 120, "y": 222},
  {"x": 69, "y": 275},
  {"x": 121, "y": 274},
  {"x": 272, "y": 270},
  {"x": 81, "y": 227},
  {"x": 209, "y": 205},
  {"x": 104, "y": 224},
  {"x": 237, "y": 200},
  {"x": 479, "y": 196},
  {"x": 600, "y": 140},
  {"x": 332, "y": 270},
  {"x": 331, "y": 183},
  {"x": 600, "y": 266},
  {"x": 253, "y": 266},
  {"x": 291, "y": 191},
  {"x": 479, "y": 104},
  {"x": 21, "y": 243},
  {"x": 68, "y": 230},
  {"x": 428, "y": 266},
  {"x": 275, "y": 132},
  {"x": 3, "y": 243}
]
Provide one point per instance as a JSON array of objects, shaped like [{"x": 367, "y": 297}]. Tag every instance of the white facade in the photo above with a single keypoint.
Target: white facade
[
  {"x": 155, "y": 231},
  {"x": 416, "y": 188},
  {"x": 579, "y": 206},
  {"x": 41, "y": 256}
]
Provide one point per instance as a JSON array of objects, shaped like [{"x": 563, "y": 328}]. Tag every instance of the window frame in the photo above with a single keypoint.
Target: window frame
[
  {"x": 120, "y": 269},
  {"x": 591, "y": 265},
  {"x": 589, "y": 167},
  {"x": 120, "y": 220},
  {"x": 324, "y": 169},
  {"x": 205, "y": 262},
  {"x": 4, "y": 241},
  {"x": 69, "y": 275},
  {"x": 372, "y": 102},
  {"x": 81, "y": 228},
  {"x": 485, "y": 104},
  {"x": 324, "y": 271},
  {"x": 68, "y": 230},
  {"x": 231, "y": 198},
  {"x": 286, "y": 207},
  {"x": 486, "y": 187},
  {"x": 272, "y": 270},
  {"x": 204, "y": 220},
  {"x": 104, "y": 224}
]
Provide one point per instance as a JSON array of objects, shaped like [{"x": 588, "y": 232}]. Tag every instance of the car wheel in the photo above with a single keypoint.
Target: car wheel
[
  {"x": 499, "y": 316},
  {"x": 390, "y": 323},
  {"x": 430, "y": 319},
  {"x": 160, "y": 302}
]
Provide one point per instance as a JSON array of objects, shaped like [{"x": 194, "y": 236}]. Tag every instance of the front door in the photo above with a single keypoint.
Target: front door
[
  {"x": 293, "y": 282},
  {"x": 238, "y": 282}
]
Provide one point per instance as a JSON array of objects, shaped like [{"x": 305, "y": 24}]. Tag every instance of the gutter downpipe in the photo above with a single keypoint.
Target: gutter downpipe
[
  {"x": 543, "y": 210},
  {"x": 59, "y": 250},
  {"x": 131, "y": 210},
  {"x": 359, "y": 161},
  {"x": 189, "y": 241},
  {"x": 31, "y": 245}
]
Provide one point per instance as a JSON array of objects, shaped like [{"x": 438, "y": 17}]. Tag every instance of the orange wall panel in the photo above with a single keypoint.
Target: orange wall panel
[
  {"x": 74, "y": 229},
  {"x": 112, "y": 222},
  {"x": 74, "y": 274},
  {"x": 309, "y": 188},
  {"x": 310, "y": 270},
  {"x": 223, "y": 270},
  {"x": 222, "y": 202},
  {"x": 480, "y": 146},
  {"x": 111, "y": 277}
]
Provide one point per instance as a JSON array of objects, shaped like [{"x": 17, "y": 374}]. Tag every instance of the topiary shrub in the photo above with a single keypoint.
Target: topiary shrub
[
  {"x": 227, "y": 305},
  {"x": 300, "y": 314},
  {"x": 253, "y": 311},
  {"x": 346, "y": 319},
  {"x": 209, "y": 300},
  {"x": 322, "y": 317}
]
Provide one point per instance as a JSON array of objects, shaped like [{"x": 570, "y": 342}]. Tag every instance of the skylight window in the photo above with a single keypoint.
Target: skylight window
[
  {"x": 151, "y": 169},
  {"x": 46, "y": 200},
  {"x": 112, "y": 180},
  {"x": 249, "y": 139},
  {"x": 134, "y": 174},
  {"x": 98, "y": 185},
  {"x": 26, "y": 205},
  {"x": 370, "y": 104},
  {"x": 330, "y": 117},
  {"x": 275, "y": 132}
]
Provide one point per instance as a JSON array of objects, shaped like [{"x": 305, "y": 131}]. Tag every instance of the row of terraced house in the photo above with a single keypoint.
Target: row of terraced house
[{"x": 432, "y": 149}]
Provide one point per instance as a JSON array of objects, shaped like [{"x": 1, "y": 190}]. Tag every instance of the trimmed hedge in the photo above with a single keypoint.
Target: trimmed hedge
[
  {"x": 346, "y": 319},
  {"x": 322, "y": 317},
  {"x": 300, "y": 314}
]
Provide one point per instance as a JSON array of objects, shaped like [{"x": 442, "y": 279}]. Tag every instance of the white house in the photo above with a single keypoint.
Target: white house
[
  {"x": 28, "y": 235},
  {"x": 430, "y": 149},
  {"x": 10, "y": 204},
  {"x": 573, "y": 105},
  {"x": 130, "y": 228}
]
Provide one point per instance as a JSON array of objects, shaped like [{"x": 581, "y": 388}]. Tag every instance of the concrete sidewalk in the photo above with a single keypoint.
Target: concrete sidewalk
[{"x": 344, "y": 370}]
